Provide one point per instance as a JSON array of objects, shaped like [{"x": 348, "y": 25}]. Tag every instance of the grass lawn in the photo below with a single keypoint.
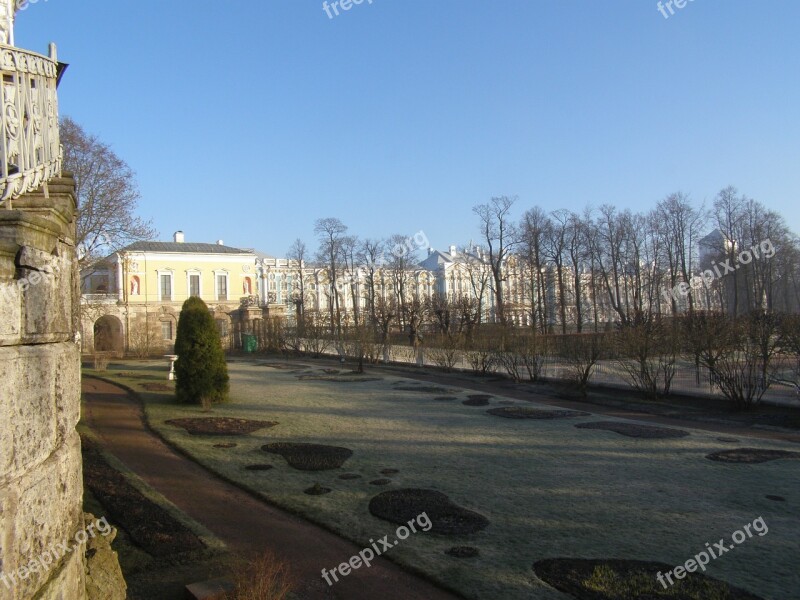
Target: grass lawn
[{"x": 548, "y": 489}]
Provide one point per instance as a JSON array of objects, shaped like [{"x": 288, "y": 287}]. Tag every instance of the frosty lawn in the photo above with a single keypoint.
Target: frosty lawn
[{"x": 548, "y": 489}]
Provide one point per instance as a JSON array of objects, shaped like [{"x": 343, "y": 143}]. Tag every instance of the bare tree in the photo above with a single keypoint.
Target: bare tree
[
  {"x": 352, "y": 271},
  {"x": 297, "y": 256},
  {"x": 534, "y": 232},
  {"x": 578, "y": 252},
  {"x": 474, "y": 266},
  {"x": 107, "y": 195},
  {"x": 385, "y": 314},
  {"x": 556, "y": 252},
  {"x": 370, "y": 255},
  {"x": 330, "y": 233},
  {"x": 679, "y": 225},
  {"x": 501, "y": 236},
  {"x": 596, "y": 296},
  {"x": 400, "y": 264},
  {"x": 607, "y": 248},
  {"x": 728, "y": 209},
  {"x": 443, "y": 313}
]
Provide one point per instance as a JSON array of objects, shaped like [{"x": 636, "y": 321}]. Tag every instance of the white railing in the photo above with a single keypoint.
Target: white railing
[{"x": 30, "y": 151}]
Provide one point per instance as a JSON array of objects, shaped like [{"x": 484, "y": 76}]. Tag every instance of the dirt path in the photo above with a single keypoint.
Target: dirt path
[{"x": 246, "y": 524}]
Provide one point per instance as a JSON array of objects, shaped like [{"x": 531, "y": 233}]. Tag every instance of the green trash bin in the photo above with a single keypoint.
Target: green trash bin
[{"x": 249, "y": 342}]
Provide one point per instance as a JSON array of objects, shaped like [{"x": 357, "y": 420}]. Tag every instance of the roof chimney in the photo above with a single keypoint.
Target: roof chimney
[
  {"x": 178, "y": 237},
  {"x": 452, "y": 250},
  {"x": 220, "y": 243}
]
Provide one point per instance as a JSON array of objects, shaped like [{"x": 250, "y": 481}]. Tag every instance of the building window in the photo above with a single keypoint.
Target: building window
[
  {"x": 222, "y": 287},
  {"x": 194, "y": 285},
  {"x": 166, "y": 287},
  {"x": 166, "y": 330},
  {"x": 100, "y": 284}
]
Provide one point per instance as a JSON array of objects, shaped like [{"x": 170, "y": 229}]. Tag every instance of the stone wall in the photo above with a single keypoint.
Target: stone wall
[
  {"x": 41, "y": 485},
  {"x": 138, "y": 326}
]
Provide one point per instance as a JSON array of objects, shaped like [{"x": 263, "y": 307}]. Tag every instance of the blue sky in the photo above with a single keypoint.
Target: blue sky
[{"x": 246, "y": 121}]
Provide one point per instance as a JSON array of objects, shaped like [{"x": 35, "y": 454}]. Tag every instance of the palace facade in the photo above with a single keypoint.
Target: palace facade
[{"x": 131, "y": 300}]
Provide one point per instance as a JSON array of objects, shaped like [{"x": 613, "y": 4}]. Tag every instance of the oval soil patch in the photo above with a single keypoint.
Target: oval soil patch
[
  {"x": 423, "y": 389},
  {"x": 525, "y": 412},
  {"x": 338, "y": 378},
  {"x": 310, "y": 457},
  {"x": 634, "y": 430},
  {"x": 463, "y": 552},
  {"x": 400, "y": 506},
  {"x": 258, "y": 467},
  {"x": 317, "y": 490},
  {"x": 750, "y": 455},
  {"x": 471, "y": 401},
  {"x": 220, "y": 425},
  {"x": 593, "y": 579}
]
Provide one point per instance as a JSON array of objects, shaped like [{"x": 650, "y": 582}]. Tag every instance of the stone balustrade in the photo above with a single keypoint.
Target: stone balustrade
[{"x": 30, "y": 150}]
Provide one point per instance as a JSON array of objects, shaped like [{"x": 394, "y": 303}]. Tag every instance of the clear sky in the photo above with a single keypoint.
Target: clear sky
[{"x": 247, "y": 120}]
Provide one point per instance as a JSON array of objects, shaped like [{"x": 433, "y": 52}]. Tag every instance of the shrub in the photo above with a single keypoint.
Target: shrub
[
  {"x": 201, "y": 371},
  {"x": 264, "y": 578},
  {"x": 647, "y": 350},
  {"x": 743, "y": 368},
  {"x": 481, "y": 353},
  {"x": 446, "y": 351},
  {"x": 738, "y": 353},
  {"x": 522, "y": 354},
  {"x": 580, "y": 354}
]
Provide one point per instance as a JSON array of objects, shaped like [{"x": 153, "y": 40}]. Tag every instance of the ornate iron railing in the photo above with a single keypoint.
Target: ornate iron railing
[{"x": 30, "y": 151}]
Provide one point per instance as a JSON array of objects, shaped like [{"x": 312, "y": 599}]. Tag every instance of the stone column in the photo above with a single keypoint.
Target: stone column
[{"x": 41, "y": 485}]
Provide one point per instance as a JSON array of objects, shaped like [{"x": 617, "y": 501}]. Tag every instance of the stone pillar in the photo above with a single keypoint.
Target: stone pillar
[
  {"x": 41, "y": 484},
  {"x": 275, "y": 310}
]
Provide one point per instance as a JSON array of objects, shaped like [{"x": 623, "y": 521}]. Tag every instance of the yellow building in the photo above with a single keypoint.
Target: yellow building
[{"x": 131, "y": 300}]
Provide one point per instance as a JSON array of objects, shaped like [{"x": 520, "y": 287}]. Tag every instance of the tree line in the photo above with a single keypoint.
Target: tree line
[{"x": 564, "y": 271}]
